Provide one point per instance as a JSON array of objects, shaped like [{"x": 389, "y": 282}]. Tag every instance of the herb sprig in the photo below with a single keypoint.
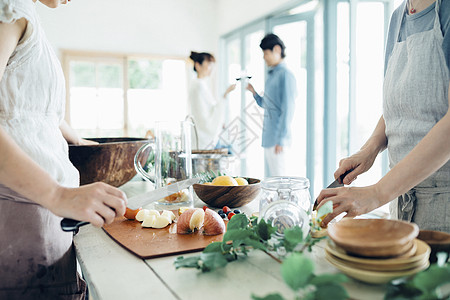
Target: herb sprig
[{"x": 244, "y": 234}]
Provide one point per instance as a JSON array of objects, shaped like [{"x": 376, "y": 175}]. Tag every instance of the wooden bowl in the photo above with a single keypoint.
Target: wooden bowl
[
  {"x": 437, "y": 240},
  {"x": 231, "y": 196},
  {"x": 111, "y": 161},
  {"x": 373, "y": 237}
]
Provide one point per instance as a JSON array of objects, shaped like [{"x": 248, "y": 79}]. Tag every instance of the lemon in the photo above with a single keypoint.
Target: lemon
[
  {"x": 241, "y": 181},
  {"x": 208, "y": 183},
  {"x": 224, "y": 180}
]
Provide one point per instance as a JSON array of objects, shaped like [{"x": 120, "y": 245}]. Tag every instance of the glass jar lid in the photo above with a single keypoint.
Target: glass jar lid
[{"x": 281, "y": 182}]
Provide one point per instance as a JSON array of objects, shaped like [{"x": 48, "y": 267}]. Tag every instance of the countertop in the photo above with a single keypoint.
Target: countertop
[{"x": 114, "y": 273}]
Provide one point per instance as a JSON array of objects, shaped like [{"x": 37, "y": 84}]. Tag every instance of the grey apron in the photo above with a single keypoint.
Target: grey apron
[{"x": 415, "y": 98}]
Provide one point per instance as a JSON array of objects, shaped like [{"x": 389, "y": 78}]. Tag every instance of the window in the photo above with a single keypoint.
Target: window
[{"x": 120, "y": 95}]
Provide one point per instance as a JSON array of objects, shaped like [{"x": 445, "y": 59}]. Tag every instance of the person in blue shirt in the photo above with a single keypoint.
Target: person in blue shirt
[{"x": 278, "y": 103}]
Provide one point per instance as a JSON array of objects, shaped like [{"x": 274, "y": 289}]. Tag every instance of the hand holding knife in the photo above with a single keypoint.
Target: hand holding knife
[
  {"x": 138, "y": 201},
  {"x": 339, "y": 182}
]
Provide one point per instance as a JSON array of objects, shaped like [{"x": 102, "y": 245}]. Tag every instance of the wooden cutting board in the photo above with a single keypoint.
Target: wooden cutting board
[{"x": 150, "y": 242}]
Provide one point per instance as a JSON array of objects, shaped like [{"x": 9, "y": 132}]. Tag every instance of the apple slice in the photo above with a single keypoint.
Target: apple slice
[
  {"x": 197, "y": 218},
  {"x": 149, "y": 221},
  {"x": 183, "y": 223},
  {"x": 169, "y": 214},
  {"x": 213, "y": 224},
  {"x": 161, "y": 222},
  {"x": 140, "y": 216}
]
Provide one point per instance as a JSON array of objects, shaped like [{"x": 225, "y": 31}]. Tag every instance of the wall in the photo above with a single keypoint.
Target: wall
[
  {"x": 168, "y": 27},
  {"x": 235, "y": 13}
]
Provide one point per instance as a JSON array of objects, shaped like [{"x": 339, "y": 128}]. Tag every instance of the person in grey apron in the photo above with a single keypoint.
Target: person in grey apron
[{"x": 415, "y": 128}]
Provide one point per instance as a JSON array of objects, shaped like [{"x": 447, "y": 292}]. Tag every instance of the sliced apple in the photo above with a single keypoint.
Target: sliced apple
[
  {"x": 161, "y": 222},
  {"x": 213, "y": 223},
  {"x": 153, "y": 212},
  {"x": 149, "y": 221},
  {"x": 140, "y": 216},
  {"x": 197, "y": 218},
  {"x": 169, "y": 214},
  {"x": 183, "y": 223}
]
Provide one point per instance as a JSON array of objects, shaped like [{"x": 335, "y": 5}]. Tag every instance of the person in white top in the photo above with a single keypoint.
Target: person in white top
[
  {"x": 38, "y": 183},
  {"x": 205, "y": 109}
]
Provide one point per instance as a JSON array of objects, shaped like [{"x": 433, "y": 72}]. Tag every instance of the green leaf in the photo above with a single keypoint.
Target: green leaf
[
  {"x": 214, "y": 247},
  {"x": 331, "y": 291},
  {"x": 236, "y": 235},
  {"x": 297, "y": 270},
  {"x": 325, "y": 279},
  {"x": 292, "y": 237},
  {"x": 269, "y": 297},
  {"x": 212, "y": 261},
  {"x": 264, "y": 230},
  {"x": 401, "y": 291},
  {"x": 325, "y": 209},
  {"x": 255, "y": 244},
  {"x": 238, "y": 221},
  {"x": 188, "y": 262},
  {"x": 432, "y": 278}
]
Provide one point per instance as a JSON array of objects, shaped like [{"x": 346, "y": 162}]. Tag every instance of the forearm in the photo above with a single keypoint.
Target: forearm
[
  {"x": 431, "y": 153},
  {"x": 21, "y": 174},
  {"x": 258, "y": 98},
  {"x": 70, "y": 135},
  {"x": 378, "y": 140}
]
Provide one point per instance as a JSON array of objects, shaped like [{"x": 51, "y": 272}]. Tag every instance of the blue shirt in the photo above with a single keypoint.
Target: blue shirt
[
  {"x": 279, "y": 103},
  {"x": 419, "y": 22}
]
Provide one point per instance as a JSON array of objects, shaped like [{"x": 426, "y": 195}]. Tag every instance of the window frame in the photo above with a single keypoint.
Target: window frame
[{"x": 105, "y": 57}]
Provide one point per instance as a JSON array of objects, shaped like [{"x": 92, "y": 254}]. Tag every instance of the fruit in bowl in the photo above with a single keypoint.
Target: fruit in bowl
[{"x": 228, "y": 191}]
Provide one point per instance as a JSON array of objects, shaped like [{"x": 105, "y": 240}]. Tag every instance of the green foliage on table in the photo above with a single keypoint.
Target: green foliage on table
[
  {"x": 433, "y": 283},
  {"x": 244, "y": 234},
  {"x": 298, "y": 273}
]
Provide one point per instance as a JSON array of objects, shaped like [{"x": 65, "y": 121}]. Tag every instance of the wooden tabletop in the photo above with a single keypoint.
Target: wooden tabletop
[{"x": 114, "y": 273}]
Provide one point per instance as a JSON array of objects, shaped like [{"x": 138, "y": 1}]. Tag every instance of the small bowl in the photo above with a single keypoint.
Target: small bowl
[
  {"x": 231, "y": 196},
  {"x": 437, "y": 240},
  {"x": 111, "y": 161},
  {"x": 373, "y": 237}
]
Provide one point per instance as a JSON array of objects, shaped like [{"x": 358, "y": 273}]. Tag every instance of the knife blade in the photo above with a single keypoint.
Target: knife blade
[
  {"x": 138, "y": 201},
  {"x": 337, "y": 183}
]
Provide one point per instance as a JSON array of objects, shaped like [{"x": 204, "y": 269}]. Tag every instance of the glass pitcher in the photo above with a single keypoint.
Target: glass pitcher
[
  {"x": 286, "y": 202},
  {"x": 169, "y": 160}
]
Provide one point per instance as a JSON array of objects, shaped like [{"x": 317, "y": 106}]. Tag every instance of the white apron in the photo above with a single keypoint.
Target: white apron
[{"x": 415, "y": 99}]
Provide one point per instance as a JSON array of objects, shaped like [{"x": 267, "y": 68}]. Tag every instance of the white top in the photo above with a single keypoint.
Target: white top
[
  {"x": 207, "y": 113},
  {"x": 32, "y": 96},
  {"x": 36, "y": 258}
]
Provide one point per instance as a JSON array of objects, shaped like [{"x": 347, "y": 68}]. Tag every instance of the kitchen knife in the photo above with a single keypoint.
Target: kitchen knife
[
  {"x": 138, "y": 201},
  {"x": 337, "y": 183}
]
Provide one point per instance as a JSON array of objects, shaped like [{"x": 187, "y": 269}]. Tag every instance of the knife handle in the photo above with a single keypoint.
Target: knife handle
[{"x": 71, "y": 225}]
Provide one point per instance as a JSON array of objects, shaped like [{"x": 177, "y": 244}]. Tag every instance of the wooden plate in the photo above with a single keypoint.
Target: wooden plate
[
  {"x": 373, "y": 237},
  {"x": 390, "y": 267},
  {"x": 422, "y": 253},
  {"x": 376, "y": 277}
]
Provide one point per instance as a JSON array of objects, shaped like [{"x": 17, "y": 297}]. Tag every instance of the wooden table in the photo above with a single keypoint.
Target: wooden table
[{"x": 114, "y": 273}]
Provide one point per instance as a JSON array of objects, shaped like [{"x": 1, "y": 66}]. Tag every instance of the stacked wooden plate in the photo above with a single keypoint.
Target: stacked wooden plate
[{"x": 376, "y": 250}]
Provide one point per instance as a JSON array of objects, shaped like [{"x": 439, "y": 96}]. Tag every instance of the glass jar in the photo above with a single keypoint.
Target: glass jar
[{"x": 286, "y": 202}]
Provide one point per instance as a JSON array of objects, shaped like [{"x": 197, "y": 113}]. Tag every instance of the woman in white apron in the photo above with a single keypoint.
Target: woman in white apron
[
  {"x": 38, "y": 184},
  {"x": 415, "y": 128},
  {"x": 207, "y": 111}
]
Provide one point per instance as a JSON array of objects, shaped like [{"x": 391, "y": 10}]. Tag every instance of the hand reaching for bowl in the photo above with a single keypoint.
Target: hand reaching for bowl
[{"x": 97, "y": 203}]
